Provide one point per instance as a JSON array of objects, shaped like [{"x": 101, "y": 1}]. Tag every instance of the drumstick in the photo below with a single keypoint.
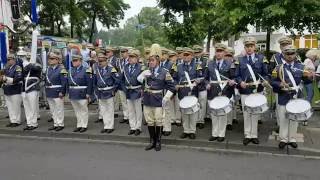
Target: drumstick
[
  {"x": 265, "y": 81},
  {"x": 226, "y": 78}
]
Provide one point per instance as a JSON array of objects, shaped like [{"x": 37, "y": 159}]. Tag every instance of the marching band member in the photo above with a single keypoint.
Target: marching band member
[
  {"x": 30, "y": 95},
  {"x": 232, "y": 117},
  {"x": 278, "y": 59},
  {"x": 80, "y": 89},
  {"x": 248, "y": 68},
  {"x": 215, "y": 68},
  {"x": 283, "y": 82},
  {"x": 176, "y": 116},
  {"x": 105, "y": 82},
  {"x": 198, "y": 58},
  {"x": 119, "y": 65},
  {"x": 12, "y": 87},
  {"x": 133, "y": 92},
  {"x": 155, "y": 80},
  {"x": 166, "y": 64},
  {"x": 55, "y": 86},
  {"x": 195, "y": 73}
]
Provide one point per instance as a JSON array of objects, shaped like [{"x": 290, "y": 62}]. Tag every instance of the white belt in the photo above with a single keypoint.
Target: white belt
[
  {"x": 53, "y": 86},
  {"x": 78, "y": 87},
  {"x": 133, "y": 87},
  {"x": 153, "y": 91},
  {"x": 106, "y": 88}
]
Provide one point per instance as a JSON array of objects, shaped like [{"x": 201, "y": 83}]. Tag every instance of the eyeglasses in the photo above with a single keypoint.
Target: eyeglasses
[
  {"x": 123, "y": 51},
  {"x": 52, "y": 58},
  {"x": 108, "y": 51}
]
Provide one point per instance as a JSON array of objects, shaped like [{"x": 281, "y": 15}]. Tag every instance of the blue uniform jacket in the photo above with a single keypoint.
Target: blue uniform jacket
[
  {"x": 32, "y": 76},
  {"x": 195, "y": 71},
  {"x": 82, "y": 78},
  {"x": 133, "y": 91},
  {"x": 210, "y": 75},
  {"x": 285, "y": 96},
  {"x": 15, "y": 72},
  {"x": 56, "y": 76},
  {"x": 159, "y": 80},
  {"x": 242, "y": 73},
  {"x": 105, "y": 77}
]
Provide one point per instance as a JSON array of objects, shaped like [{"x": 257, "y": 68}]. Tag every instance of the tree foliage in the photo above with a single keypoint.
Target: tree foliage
[{"x": 141, "y": 30}]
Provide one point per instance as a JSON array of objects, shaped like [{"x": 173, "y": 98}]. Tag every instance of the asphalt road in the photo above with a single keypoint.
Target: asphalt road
[{"x": 29, "y": 159}]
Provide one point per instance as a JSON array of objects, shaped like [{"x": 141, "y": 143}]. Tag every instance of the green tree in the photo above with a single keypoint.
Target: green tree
[{"x": 108, "y": 12}]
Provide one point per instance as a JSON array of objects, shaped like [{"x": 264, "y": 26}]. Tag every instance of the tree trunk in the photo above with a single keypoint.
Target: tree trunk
[
  {"x": 52, "y": 27},
  {"x": 92, "y": 27},
  {"x": 209, "y": 39},
  {"x": 71, "y": 15},
  {"x": 268, "y": 43}
]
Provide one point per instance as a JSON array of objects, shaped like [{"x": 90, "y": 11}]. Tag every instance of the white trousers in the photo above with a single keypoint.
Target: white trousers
[
  {"x": 168, "y": 116},
  {"x": 250, "y": 121},
  {"x": 31, "y": 107},
  {"x": 135, "y": 113},
  {"x": 80, "y": 108},
  {"x": 107, "y": 112},
  {"x": 277, "y": 106},
  {"x": 203, "y": 106},
  {"x": 176, "y": 108},
  {"x": 233, "y": 114},
  {"x": 284, "y": 126},
  {"x": 190, "y": 122},
  {"x": 123, "y": 100},
  {"x": 219, "y": 124},
  {"x": 14, "y": 107},
  {"x": 57, "y": 111}
]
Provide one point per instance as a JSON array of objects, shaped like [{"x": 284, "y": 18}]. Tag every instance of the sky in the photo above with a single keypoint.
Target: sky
[{"x": 135, "y": 8}]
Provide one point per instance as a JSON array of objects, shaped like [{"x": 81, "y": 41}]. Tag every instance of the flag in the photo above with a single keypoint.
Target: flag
[
  {"x": 3, "y": 50},
  {"x": 34, "y": 14}
]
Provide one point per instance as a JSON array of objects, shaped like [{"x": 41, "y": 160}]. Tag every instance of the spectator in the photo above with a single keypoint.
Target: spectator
[{"x": 311, "y": 56}]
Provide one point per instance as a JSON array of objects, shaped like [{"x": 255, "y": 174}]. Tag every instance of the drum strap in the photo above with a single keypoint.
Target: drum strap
[
  {"x": 294, "y": 84},
  {"x": 252, "y": 75},
  {"x": 221, "y": 84}
]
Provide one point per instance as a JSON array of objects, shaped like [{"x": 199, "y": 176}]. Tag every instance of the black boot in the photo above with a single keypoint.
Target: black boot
[
  {"x": 158, "y": 138},
  {"x": 151, "y": 130}
]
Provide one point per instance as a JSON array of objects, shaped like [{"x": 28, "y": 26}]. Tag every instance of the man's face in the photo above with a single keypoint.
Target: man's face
[
  {"x": 164, "y": 57},
  {"x": 290, "y": 56},
  {"x": 124, "y": 54},
  {"x": 109, "y": 53},
  {"x": 153, "y": 62},
  {"x": 250, "y": 48},
  {"x": 133, "y": 59},
  {"x": 102, "y": 61},
  {"x": 11, "y": 61},
  {"x": 76, "y": 62},
  {"x": 187, "y": 57},
  {"x": 219, "y": 54},
  {"x": 53, "y": 61},
  {"x": 180, "y": 55},
  {"x": 173, "y": 58},
  {"x": 228, "y": 57},
  {"x": 197, "y": 54}
]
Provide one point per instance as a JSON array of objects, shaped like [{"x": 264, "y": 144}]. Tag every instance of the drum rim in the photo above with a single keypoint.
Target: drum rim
[
  {"x": 221, "y": 97},
  {"x": 299, "y": 99},
  {"x": 257, "y": 94}
]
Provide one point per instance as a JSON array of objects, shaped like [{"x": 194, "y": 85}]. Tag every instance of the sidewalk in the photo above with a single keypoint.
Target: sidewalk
[{"x": 309, "y": 136}]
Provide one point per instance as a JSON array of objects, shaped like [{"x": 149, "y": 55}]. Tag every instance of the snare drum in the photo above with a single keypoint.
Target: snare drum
[
  {"x": 189, "y": 105},
  {"x": 220, "y": 105},
  {"x": 298, "y": 110},
  {"x": 256, "y": 104}
]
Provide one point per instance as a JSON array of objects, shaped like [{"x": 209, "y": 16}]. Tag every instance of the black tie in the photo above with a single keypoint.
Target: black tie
[
  {"x": 131, "y": 69},
  {"x": 250, "y": 60},
  {"x": 219, "y": 66}
]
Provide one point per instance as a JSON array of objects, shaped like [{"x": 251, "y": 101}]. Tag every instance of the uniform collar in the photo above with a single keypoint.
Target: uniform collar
[{"x": 253, "y": 55}]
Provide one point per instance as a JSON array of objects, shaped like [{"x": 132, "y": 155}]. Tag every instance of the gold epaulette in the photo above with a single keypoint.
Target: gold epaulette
[
  {"x": 89, "y": 70},
  {"x": 168, "y": 77},
  {"x": 199, "y": 67},
  {"x": 18, "y": 69}
]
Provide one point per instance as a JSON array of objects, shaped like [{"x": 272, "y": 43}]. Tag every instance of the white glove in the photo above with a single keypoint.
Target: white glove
[
  {"x": 25, "y": 62},
  {"x": 164, "y": 102},
  {"x": 143, "y": 75},
  {"x": 8, "y": 80}
]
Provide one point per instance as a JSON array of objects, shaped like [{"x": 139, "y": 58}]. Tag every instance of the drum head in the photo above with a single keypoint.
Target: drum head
[
  {"x": 188, "y": 101},
  {"x": 297, "y": 106},
  {"x": 219, "y": 102},
  {"x": 255, "y": 100}
]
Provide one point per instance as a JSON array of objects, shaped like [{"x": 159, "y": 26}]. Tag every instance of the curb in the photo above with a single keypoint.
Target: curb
[{"x": 305, "y": 153}]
